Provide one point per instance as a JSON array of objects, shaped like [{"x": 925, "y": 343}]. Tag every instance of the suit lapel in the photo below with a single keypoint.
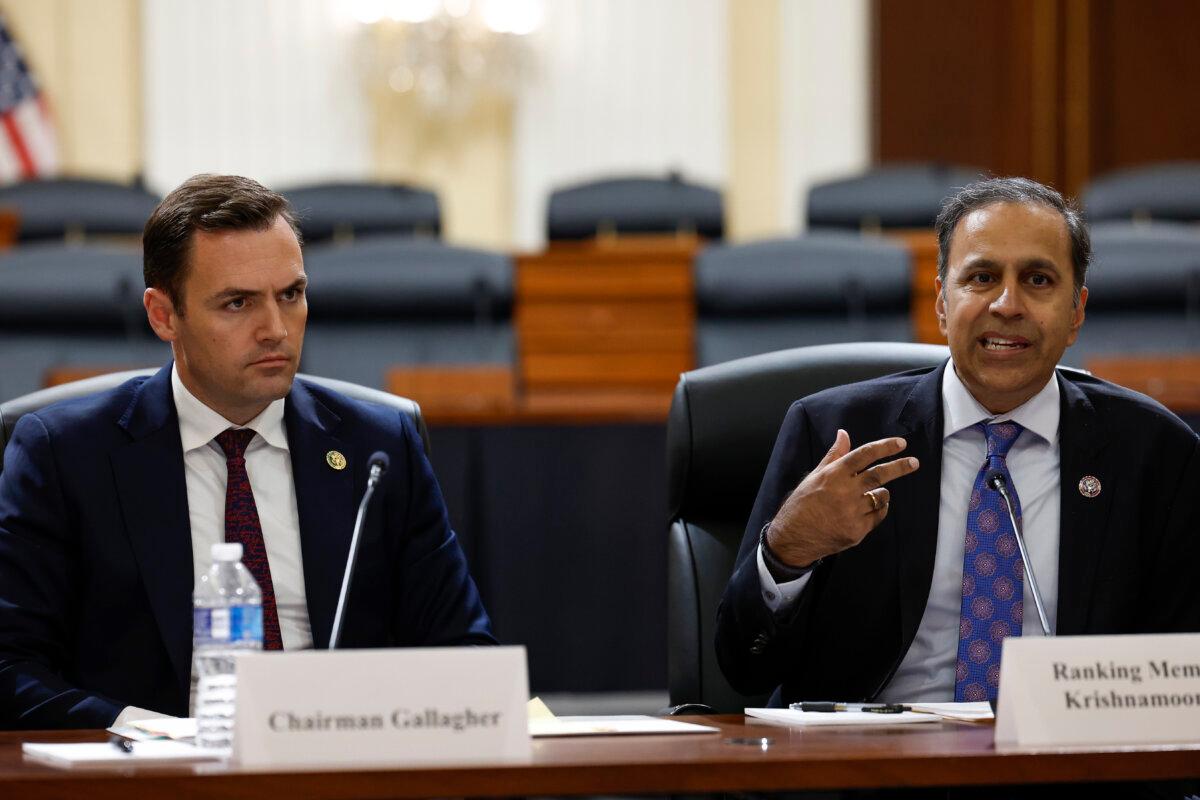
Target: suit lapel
[
  {"x": 916, "y": 524},
  {"x": 1083, "y": 520},
  {"x": 153, "y": 494},
  {"x": 324, "y": 501}
]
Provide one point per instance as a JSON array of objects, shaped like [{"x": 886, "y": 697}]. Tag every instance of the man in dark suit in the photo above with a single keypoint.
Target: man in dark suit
[
  {"x": 867, "y": 576},
  {"x": 109, "y": 504}
]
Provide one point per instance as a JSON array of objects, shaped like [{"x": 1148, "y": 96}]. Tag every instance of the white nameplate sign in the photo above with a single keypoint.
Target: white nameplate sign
[
  {"x": 382, "y": 707},
  {"x": 1099, "y": 690}
]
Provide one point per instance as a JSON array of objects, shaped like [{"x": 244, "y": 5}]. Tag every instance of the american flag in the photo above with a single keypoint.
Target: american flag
[{"x": 28, "y": 144}]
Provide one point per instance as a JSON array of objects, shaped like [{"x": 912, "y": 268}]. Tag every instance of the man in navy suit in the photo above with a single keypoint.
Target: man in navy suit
[
  {"x": 109, "y": 504},
  {"x": 865, "y": 574}
]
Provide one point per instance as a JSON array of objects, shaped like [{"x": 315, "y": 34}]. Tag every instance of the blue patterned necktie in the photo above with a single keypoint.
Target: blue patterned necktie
[{"x": 993, "y": 576}]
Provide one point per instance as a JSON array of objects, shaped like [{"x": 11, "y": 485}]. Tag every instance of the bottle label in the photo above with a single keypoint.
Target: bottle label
[
  {"x": 227, "y": 625},
  {"x": 245, "y": 624}
]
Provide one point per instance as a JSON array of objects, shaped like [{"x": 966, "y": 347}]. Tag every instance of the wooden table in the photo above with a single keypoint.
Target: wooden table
[{"x": 945, "y": 754}]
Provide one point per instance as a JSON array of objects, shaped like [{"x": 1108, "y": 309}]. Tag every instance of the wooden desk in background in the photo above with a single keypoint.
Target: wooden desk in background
[
  {"x": 608, "y": 323},
  {"x": 935, "y": 754}
]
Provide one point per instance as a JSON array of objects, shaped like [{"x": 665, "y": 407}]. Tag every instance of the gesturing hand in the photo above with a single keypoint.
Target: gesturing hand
[{"x": 839, "y": 502}]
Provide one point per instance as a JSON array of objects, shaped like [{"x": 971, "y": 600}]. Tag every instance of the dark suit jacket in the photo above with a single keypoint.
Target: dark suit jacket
[
  {"x": 96, "y": 558},
  {"x": 1126, "y": 557}
]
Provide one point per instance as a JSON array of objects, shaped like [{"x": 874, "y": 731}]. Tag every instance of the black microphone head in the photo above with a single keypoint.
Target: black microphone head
[
  {"x": 379, "y": 459},
  {"x": 994, "y": 480}
]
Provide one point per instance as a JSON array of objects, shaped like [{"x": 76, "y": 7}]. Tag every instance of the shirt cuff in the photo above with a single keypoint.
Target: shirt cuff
[{"x": 778, "y": 596}]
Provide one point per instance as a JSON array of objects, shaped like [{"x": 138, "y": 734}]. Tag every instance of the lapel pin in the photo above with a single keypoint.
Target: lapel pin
[
  {"x": 338, "y": 461},
  {"x": 1089, "y": 486}
]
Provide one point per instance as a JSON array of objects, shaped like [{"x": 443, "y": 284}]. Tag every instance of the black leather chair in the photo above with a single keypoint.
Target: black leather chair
[
  {"x": 13, "y": 410},
  {"x": 54, "y": 208},
  {"x": 821, "y": 288},
  {"x": 345, "y": 210},
  {"x": 721, "y": 429},
  {"x": 1169, "y": 191},
  {"x": 390, "y": 301},
  {"x": 635, "y": 205},
  {"x": 890, "y": 196},
  {"x": 1143, "y": 291}
]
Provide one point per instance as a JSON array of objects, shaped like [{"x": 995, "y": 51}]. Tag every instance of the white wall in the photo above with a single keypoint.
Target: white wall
[
  {"x": 273, "y": 89},
  {"x": 622, "y": 86},
  {"x": 264, "y": 88},
  {"x": 826, "y": 105}
]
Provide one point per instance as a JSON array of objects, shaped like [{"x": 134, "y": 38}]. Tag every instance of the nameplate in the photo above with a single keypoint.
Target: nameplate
[
  {"x": 1099, "y": 690},
  {"x": 382, "y": 707}
]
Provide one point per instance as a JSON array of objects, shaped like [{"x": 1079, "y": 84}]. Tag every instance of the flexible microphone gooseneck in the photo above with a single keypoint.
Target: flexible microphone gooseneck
[
  {"x": 377, "y": 464},
  {"x": 996, "y": 481}
]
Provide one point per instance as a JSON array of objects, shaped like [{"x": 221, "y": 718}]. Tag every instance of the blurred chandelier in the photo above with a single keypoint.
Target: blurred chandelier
[{"x": 448, "y": 54}]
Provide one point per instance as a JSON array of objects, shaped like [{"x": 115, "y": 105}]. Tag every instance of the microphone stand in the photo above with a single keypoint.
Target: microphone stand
[
  {"x": 995, "y": 480},
  {"x": 378, "y": 464}
]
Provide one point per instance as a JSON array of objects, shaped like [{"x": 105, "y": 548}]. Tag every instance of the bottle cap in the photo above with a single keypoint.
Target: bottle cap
[{"x": 227, "y": 551}]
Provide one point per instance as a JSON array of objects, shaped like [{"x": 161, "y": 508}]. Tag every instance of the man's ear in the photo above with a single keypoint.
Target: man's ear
[
  {"x": 939, "y": 305},
  {"x": 1077, "y": 316},
  {"x": 160, "y": 311}
]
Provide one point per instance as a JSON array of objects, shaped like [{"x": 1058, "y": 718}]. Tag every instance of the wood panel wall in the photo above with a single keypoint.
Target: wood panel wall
[{"x": 1059, "y": 90}]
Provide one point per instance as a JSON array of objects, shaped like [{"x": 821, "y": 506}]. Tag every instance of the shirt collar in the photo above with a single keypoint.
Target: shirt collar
[
  {"x": 199, "y": 424},
  {"x": 1038, "y": 414}
]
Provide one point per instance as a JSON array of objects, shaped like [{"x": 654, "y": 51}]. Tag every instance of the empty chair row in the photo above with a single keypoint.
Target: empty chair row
[
  {"x": 886, "y": 197},
  {"x": 910, "y": 195},
  {"x": 400, "y": 300},
  {"x": 371, "y": 306},
  {"x": 74, "y": 208}
]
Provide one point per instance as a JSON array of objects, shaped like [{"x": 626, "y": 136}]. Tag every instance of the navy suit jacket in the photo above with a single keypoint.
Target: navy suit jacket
[
  {"x": 96, "y": 554},
  {"x": 1126, "y": 557}
]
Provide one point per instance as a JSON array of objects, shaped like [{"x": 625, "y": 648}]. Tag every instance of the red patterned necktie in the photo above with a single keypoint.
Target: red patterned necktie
[{"x": 242, "y": 526}]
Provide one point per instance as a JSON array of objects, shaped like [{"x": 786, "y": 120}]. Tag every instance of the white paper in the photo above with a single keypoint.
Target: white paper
[
  {"x": 613, "y": 725},
  {"x": 964, "y": 712},
  {"x": 105, "y": 753},
  {"x": 177, "y": 728},
  {"x": 786, "y": 716}
]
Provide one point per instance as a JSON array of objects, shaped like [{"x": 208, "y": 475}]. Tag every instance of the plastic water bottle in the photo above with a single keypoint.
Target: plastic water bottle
[{"x": 226, "y": 621}]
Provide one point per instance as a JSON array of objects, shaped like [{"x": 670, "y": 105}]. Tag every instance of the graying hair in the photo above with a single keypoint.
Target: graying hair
[{"x": 1013, "y": 190}]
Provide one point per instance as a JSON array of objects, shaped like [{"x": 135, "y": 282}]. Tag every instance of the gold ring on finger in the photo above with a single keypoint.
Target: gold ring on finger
[{"x": 874, "y": 500}]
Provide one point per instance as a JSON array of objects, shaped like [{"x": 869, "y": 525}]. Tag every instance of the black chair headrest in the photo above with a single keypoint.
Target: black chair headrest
[{"x": 724, "y": 419}]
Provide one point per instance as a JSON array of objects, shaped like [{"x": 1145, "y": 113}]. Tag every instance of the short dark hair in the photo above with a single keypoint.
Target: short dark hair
[
  {"x": 203, "y": 203},
  {"x": 1013, "y": 190}
]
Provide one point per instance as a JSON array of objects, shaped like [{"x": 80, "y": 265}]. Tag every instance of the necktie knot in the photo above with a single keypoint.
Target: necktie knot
[
  {"x": 1000, "y": 437},
  {"x": 234, "y": 441}
]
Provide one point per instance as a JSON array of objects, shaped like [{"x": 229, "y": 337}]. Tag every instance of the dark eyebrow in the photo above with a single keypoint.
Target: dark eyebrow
[
  {"x": 1041, "y": 263},
  {"x": 234, "y": 293},
  {"x": 1031, "y": 263}
]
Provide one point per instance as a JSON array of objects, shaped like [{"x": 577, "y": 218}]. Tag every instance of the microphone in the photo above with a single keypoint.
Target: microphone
[
  {"x": 995, "y": 480},
  {"x": 377, "y": 464}
]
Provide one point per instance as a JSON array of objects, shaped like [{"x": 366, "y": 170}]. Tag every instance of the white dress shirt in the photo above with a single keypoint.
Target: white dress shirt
[
  {"x": 269, "y": 467},
  {"x": 926, "y": 674}
]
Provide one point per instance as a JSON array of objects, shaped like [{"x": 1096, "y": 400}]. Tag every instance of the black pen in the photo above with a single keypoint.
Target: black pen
[
  {"x": 811, "y": 707},
  {"x": 122, "y": 744},
  {"x": 826, "y": 707}
]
